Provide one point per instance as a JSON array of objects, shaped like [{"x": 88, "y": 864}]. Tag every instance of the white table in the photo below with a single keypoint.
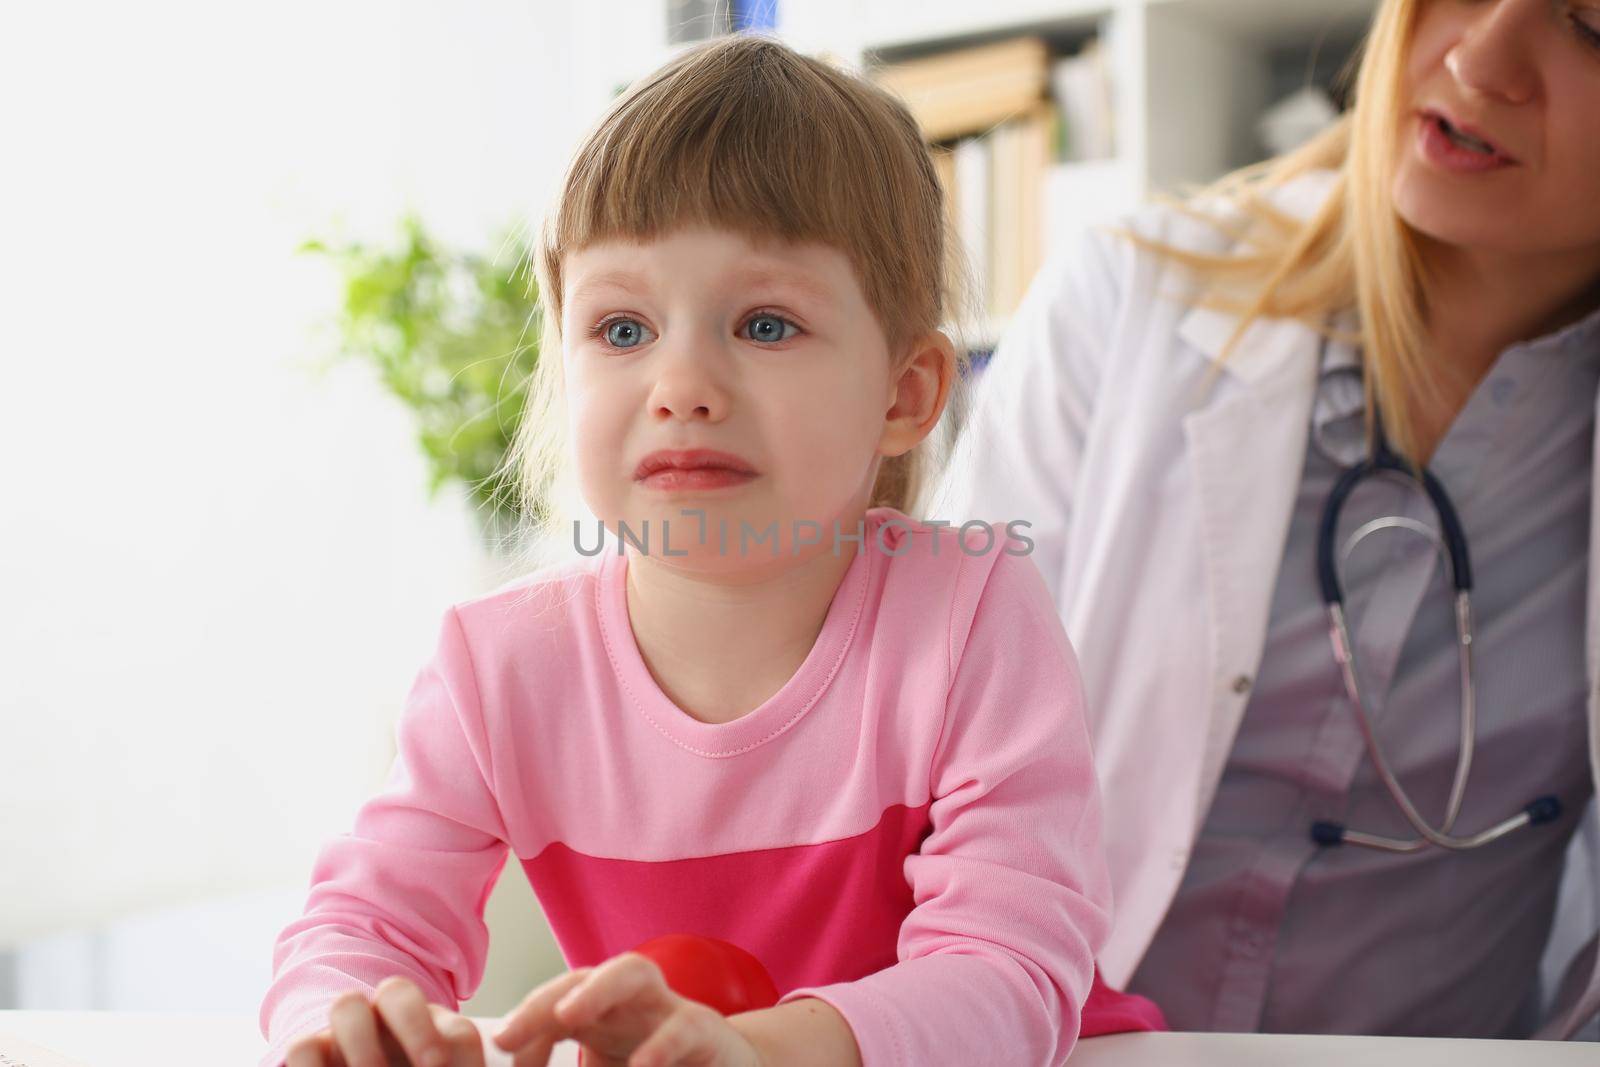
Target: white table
[
  {"x": 133, "y": 1039},
  {"x": 148, "y": 1039},
  {"x": 1298, "y": 1050}
]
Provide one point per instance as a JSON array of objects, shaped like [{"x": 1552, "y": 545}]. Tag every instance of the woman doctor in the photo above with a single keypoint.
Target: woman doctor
[{"x": 1172, "y": 408}]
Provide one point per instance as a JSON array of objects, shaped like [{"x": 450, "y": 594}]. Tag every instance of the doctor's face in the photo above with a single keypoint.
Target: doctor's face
[
  {"x": 770, "y": 356},
  {"x": 1499, "y": 138}
]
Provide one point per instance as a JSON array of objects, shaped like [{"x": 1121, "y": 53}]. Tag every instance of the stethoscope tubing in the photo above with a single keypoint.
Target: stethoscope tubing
[{"x": 1454, "y": 542}]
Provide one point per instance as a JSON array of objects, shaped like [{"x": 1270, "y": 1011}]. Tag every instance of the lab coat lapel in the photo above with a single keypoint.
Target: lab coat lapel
[
  {"x": 1567, "y": 1018},
  {"x": 1247, "y": 447}
]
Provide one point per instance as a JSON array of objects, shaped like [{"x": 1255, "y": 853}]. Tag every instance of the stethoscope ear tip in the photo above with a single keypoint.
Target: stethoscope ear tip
[
  {"x": 1327, "y": 833},
  {"x": 1545, "y": 809}
]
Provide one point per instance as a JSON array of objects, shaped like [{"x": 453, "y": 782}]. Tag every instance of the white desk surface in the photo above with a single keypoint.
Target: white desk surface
[
  {"x": 150, "y": 1039},
  {"x": 135, "y": 1039},
  {"x": 1304, "y": 1050}
]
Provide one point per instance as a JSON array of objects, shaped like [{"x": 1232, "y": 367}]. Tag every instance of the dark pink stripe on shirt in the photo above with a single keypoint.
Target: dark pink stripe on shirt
[{"x": 813, "y": 914}]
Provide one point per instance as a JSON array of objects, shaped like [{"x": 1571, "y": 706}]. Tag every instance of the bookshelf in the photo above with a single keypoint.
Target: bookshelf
[{"x": 1188, "y": 81}]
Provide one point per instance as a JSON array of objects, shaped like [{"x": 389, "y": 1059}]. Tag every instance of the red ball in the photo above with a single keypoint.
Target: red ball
[{"x": 716, "y": 973}]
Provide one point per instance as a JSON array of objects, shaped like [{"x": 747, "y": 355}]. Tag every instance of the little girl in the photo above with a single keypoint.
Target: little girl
[{"x": 776, "y": 710}]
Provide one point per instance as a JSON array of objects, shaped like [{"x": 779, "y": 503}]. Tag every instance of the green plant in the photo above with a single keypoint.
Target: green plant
[{"x": 454, "y": 335}]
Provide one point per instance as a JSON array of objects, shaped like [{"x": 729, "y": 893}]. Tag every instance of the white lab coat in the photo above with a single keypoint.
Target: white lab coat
[{"x": 1160, "y": 500}]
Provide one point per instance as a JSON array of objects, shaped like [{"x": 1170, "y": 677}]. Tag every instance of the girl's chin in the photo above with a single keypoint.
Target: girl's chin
[
  {"x": 724, "y": 532},
  {"x": 691, "y": 532}
]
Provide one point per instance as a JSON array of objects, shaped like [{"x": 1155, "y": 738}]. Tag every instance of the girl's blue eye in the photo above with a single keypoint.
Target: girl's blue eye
[
  {"x": 624, "y": 333},
  {"x": 769, "y": 327}
]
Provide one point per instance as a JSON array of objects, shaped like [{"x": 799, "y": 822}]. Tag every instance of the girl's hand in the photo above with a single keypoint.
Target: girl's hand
[
  {"x": 624, "y": 1015},
  {"x": 396, "y": 1028}
]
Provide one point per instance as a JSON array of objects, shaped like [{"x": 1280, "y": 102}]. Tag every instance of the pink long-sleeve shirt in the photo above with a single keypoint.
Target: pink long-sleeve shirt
[{"x": 908, "y": 830}]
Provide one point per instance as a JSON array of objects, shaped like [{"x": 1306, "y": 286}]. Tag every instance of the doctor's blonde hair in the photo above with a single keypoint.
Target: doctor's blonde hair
[
  {"x": 748, "y": 135},
  {"x": 1354, "y": 252}
]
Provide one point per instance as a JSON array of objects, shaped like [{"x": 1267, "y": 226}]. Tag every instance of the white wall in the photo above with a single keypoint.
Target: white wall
[{"x": 220, "y": 571}]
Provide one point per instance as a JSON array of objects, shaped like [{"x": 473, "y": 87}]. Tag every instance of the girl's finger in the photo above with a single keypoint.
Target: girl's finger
[
  {"x": 355, "y": 1029},
  {"x": 404, "y": 1010},
  {"x": 616, "y": 981},
  {"x": 315, "y": 1050},
  {"x": 466, "y": 1044},
  {"x": 681, "y": 1033},
  {"x": 309, "y": 1051},
  {"x": 534, "y": 1019}
]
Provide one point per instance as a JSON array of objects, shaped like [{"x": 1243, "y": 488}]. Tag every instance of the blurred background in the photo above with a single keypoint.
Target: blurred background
[{"x": 266, "y": 330}]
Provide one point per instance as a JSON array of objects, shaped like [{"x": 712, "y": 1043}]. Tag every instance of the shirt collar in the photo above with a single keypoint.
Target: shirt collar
[
  {"x": 1338, "y": 414},
  {"x": 1576, "y": 339},
  {"x": 1267, "y": 343}
]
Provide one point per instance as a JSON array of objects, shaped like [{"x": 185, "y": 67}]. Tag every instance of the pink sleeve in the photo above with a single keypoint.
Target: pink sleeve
[
  {"x": 1011, "y": 886},
  {"x": 404, "y": 892}
]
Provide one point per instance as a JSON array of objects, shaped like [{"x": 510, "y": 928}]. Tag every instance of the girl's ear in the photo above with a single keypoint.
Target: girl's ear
[{"x": 919, "y": 393}]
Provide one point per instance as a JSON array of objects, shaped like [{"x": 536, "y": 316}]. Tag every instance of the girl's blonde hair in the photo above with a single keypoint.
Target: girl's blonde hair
[
  {"x": 747, "y": 135},
  {"x": 1354, "y": 252}
]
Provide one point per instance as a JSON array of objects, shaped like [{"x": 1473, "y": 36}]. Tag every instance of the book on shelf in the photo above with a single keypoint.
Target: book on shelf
[
  {"x": 997, "y": 117},
  {"x": 967, "y": 91},
  {"x": 971, "y": 198},
  {"x": 1082, "y": 88},
  {"x": 1022, "y": 157},
  {"x": 994, "y": 187}
]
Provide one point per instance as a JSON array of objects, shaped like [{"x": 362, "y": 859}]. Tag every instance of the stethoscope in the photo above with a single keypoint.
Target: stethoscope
[{"x": 1380, "y": 460}]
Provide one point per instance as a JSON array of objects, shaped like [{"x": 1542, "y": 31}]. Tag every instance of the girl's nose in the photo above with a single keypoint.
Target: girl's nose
[
  {"x": 686, "y": 384},
  {"x": 1495, "y": 55}
]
